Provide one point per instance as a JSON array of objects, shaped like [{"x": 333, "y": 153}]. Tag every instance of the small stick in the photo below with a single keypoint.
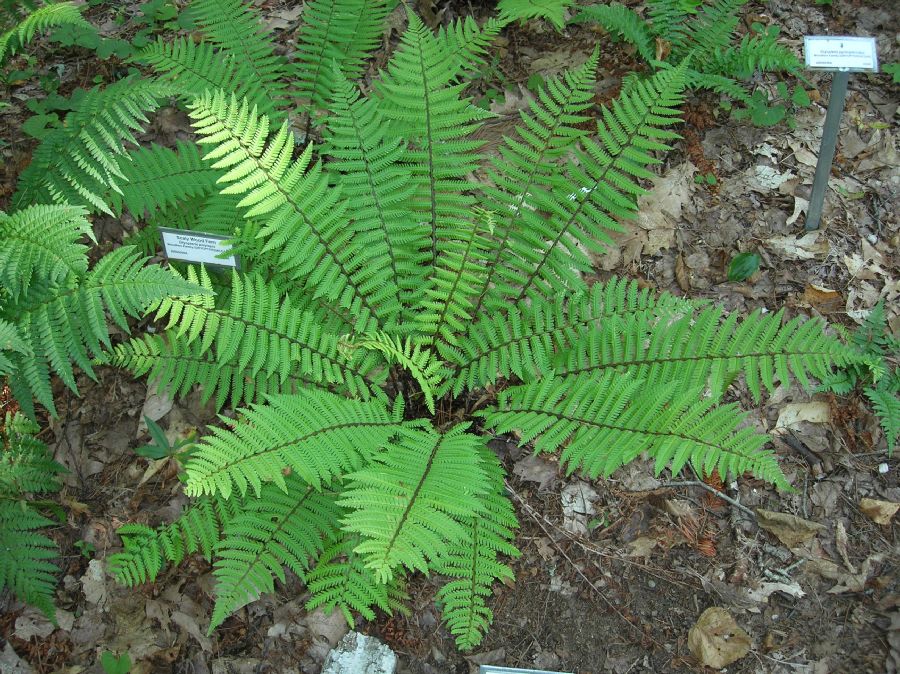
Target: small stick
[{"x": 713, "y": 491}]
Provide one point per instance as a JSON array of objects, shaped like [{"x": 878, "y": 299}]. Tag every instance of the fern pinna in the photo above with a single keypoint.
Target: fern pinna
[{"x": 392, "y": 306}]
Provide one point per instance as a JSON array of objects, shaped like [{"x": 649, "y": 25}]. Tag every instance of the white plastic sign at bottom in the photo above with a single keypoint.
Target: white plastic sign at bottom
[{"x": 491, "y": 669}]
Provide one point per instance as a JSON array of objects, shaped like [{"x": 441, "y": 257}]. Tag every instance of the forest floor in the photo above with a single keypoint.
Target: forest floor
[{"x": 614, "y": 573}]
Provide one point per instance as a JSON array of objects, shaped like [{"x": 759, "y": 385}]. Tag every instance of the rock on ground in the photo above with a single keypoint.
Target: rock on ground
[{"x": 357, "y": 653}]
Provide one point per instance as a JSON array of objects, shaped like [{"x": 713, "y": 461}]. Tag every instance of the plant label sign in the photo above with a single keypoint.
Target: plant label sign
[
  {"x": 491, "y": 669},
  {"x": 197, "y": 247},
  {"x": 841, "y": 53}
]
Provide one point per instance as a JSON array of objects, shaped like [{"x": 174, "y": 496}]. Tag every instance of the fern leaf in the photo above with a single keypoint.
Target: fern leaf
[
  {"x": 41, "y": 19},
  {"x": 176, "y": 366},
  {"x": 375, "y": 181},
  {"x": 623, "y": 23},
  {"x": 306, "y": 221},
  {"x": 529, "y": 165},
  {"x": 887, "y": 408},
  {"x": 79, "y": 162},
  {"x": 26, "y": 465},
  {"x": 473, "y": 566},
  {"x": 341, "y": 580},
  {"x": 275, "y": 530},
  {"x": 423, "y": 108},
  {"x": 524, "y": 340},
  {"x": 146, "y": 550},
  {"x": 465, "y": 42},
  {"x": 701, "y": 350},
  {"x": 25, "y": 566},
  {"x": 603, "y": 421},
  {"x": 40, "y": 244},
  {"x": 234, "y": 27},
  {"x": 63, "y": 325},
  {"x": 264, "y": 333},
  {"x": 409, "y": 354},
  {"x": 311, "y": 433},
  {"x": 10, "y": 340},
  {"x": 523, "y": 10},
  {"x": 196, "y": 68},
  {"x": 599, "y": 186},
  {"x": 336, "y": 35},
  {"x": 408, "y": 502}
]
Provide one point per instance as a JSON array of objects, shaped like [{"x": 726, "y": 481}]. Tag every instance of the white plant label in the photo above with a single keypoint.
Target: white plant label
[
  {"x": 845, "y": 53},
  {"x": 180, "y": 244},
  {"x": 491, "y": 669}
]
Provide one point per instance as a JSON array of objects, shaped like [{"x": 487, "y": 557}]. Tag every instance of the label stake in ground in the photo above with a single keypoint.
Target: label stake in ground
[
  {"x": 197, "y": 247},
  {"x": 841, "y": 55}
]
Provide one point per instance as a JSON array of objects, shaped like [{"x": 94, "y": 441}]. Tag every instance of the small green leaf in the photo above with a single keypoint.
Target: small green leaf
[
  {"x": 743, "y": 266},
  {"x": 892, "y": 69},
  {"x": 115, "y": 664},
  {"x": 800, "y": 97}
]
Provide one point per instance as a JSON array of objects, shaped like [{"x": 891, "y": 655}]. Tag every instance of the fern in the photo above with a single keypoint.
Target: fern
[
  {"x": 26, "y": 466},
  {"x": 399, "y": 293},
  {"x": 408, "y": 503},
  {"x": 278, "y": 529},
  {"x": 337, "y": 35},
  {"x": 38, "y": 21},
  {"x": 78, "y": 162},
  {"x": 522, "y": 10},
  {"x": 341, "y": 580}
]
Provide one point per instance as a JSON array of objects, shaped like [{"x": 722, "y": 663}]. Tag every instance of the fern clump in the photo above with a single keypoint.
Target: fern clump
[
  {"x": 702, "y": 33},
  {"x": 26, "y": 468},
  {"x": 401, "y": 299}
]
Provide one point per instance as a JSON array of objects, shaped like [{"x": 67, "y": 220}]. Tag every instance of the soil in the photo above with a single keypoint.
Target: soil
[{"x": 617, "y": 584}]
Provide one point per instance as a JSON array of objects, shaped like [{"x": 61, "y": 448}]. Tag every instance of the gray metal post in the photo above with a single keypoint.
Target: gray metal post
[{"x": 826, "y": 151}]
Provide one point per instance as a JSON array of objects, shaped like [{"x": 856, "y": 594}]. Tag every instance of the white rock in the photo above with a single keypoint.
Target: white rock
[{"x": 357, "y": 653}]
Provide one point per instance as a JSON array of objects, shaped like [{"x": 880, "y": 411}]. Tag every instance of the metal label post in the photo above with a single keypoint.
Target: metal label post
[{"x": 840, "y": 55}]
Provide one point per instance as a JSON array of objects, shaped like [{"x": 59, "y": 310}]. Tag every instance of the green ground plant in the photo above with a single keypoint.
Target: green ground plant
[
  {"x": 401, "y": 300},
  {"x": 703, "y": 34}
]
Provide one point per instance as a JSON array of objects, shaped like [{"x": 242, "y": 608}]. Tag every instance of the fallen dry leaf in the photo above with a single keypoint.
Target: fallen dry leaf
[
  {"x": 846, "y": 582},
  {"x": 789, "y": 529},
  {"x": 807, "y": 247},
  {"x": 880, "y": 512},
  {"x": 716, "y": 640},
  {"x": 533, "y": 468},
  {"x": 824, "y": 299},
  {"x": 815, "y": 412},
  {"x": 641, "y": 547},
  {"x": 765, "y": 590}
]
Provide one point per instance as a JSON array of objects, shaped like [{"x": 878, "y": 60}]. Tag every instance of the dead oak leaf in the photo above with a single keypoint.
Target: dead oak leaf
[
  {"x": 716, "y": 640},
  {"x": 789, "y": 529}
]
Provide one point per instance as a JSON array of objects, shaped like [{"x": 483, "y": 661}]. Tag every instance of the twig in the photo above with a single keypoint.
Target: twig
[
  {"x": 711, "y": 490},
  {"x": 539, "y": 522}
]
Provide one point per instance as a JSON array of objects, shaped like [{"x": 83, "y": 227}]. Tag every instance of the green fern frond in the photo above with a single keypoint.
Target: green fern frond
[
  {"x": 26, "y": 465},
  {"x": 234, "y": 27},
  {"x": 887, "y": 408},
  {"x": 196, "y": 68},
  {"x": 599, "y": 186},
  {"x": 41, "y": 19},
  {"x": 342, "y": 580},
  {"x": 40, "y": 244},
  {"x": 708, "y": 29},
  {"x": 720, "y": 84},
  {"x": 262, "y": 332},
  {"x": 466, "y": 43},
  {"x": 311, "y": 433},
  {"x": 336, "y": 35},
  {"x": 529, "y": 165},
  {"x": 473, "y": 566},
  {"x": 409, "y": 503},
  {"x": 668, "y": 16},
  {"x": 525, "y": 340},
  {"x": 277, "y": 529},
  {"x": 306, "y": 221},
  {"x": 701, "y": 350},
  {"x": 409, "y": 354},
  {"x": 79, "y": 162},
  {"x": 421, "y": 107},
  {"x": 10, "y": 340},
  {"x": 177, "y": 366},
  {"x": 522, "y": 10},
  {"x": 146, "y": 549},
  {"x": 622, "y": 23},
  {"x": 757, "y": 53},
  {"x": 459, "y": 276},
  {"x": 64, "y": 324},
  {"x": 376, "y": 183},
  {"x": 158, "y": 178},
  {"x": 603, "y": 421},
  {"x": 24, "y": 565}
]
